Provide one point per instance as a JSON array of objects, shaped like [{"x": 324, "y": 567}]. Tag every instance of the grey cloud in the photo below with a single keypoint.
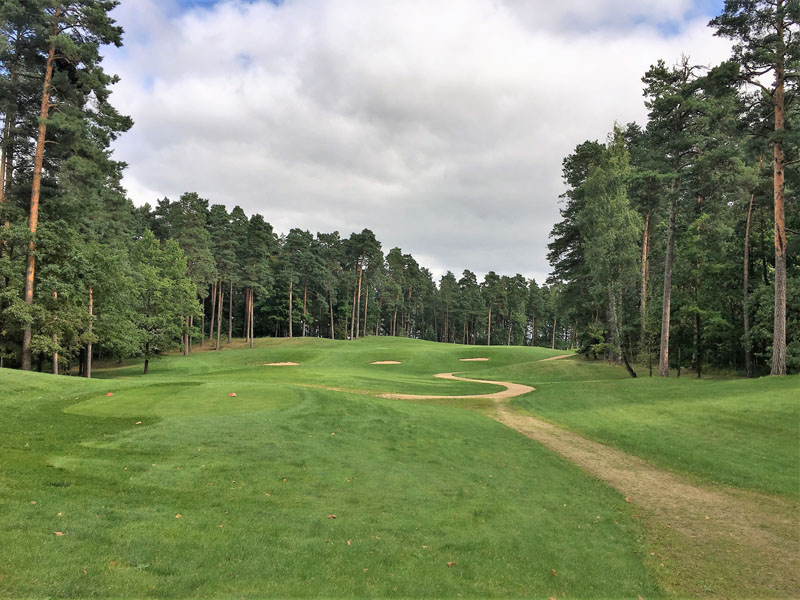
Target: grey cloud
[{"x": 441, "y": 126}]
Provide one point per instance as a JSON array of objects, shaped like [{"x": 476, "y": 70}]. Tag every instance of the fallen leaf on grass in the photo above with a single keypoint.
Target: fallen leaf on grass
[
  {"x": 331, "y": 516},
  {"x": 109, "y": 394},
  {"x": 85, "y": 572},
  {"x": 232, "y": 395},
  {"x": 553, "y": 572},
  {"x": 60, "y": 515},
  {"x": 33, "y": 501},
  {"x": 450, "y": 564},
  {"x": 349, "y": 542},
  {"x": 138, "y": 423},
  {"x": 220, "y": 525},
  {"x": 628, "y": 500},
  {"x": 59, "y": 533},
  {"x": 112, "y": 562},
  {"x": 178, "y": 516}
]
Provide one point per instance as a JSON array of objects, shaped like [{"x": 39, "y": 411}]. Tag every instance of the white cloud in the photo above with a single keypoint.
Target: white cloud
[{"x": 441, "y": 126}]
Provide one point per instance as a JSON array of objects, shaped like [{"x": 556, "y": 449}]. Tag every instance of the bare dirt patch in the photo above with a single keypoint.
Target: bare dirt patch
[
  {"x": 473, "y": 359},
  {"x": 512, "y": 390},
  {"x": 387, "y": 362},
  {"x": 751, "y": 539},
  {"x": 281, "y": 364},
  {"x": 556, "y": 357}
]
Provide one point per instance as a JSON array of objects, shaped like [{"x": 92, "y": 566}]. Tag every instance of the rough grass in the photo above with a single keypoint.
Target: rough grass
[
  {"x": 739, "y": 432},
  {"x": 413, "y": 486}
]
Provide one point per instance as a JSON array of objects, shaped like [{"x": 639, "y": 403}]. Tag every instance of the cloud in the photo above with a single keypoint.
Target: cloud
[{"x": 440, "y": 126}]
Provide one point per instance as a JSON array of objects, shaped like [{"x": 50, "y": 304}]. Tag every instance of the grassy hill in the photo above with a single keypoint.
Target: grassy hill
[{"x": 171, "y": 487}]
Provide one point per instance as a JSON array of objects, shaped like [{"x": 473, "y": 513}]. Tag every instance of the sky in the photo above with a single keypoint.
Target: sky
[{"x": 441, "y": 126}]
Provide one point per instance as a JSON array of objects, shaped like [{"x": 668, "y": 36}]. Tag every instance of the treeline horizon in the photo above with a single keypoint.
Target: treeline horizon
[{"x": 690, "y": 196}]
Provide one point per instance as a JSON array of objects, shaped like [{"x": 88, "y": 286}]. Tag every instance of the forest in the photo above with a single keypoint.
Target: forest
[{"x": 676, "y": 249}]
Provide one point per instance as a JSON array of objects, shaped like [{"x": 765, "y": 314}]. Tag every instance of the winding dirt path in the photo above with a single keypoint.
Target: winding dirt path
[
  {"x": 556, "y": 357},
  {"x": 751, "y": 539},
  {"x": 512, "y": 390},
  {"x": 704, "y": 540}
]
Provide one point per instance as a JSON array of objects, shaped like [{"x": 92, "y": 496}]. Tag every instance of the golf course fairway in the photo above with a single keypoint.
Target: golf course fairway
[{"x": 234, "y": 474}]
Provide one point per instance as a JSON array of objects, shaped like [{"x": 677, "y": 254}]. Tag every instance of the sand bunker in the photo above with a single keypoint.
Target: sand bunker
[
  {"x": 281, "y": 364},
  {"x": 386, "y": 362},
  {"x": 512, "y": 390},
  {"x": 472, "y": 359},
  {"x": 556, "y": 357}
]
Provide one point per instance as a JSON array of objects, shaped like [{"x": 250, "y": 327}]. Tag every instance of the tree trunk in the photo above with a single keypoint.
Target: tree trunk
[
  {"x": 353, "y": 316},
  {"x": 779, "y": 327},
  {"x": 252, "y": 317},
  {"x": 33, "y": 219},
  {"x": 663, "y": 357},
  {"x": 291, "y": 284},
  {"x": 330, "y": 306},
  {"x": 203, "y": 322},
  {"x": 185, "y": 336},
  {"x": 305, "y": 305},
  {"x": 378, "y": 320},
  {"x": 220, "y": 303},
  {"x": 748, "y": 348},
  {"x": 358, "y": 298},
  {"x": 213, "y": 319},
  {"x": 366, "y": 306},
  {"x": 645, "y": 272},
  {"x": 555, "y": 322},
  {"x": 246, "y": 328},
  {"x": 55, "y": 340},
  {"x": 230, "y": 312},
  {"x": 88, "y": 368},
  {"x": 189, "y": 335}
]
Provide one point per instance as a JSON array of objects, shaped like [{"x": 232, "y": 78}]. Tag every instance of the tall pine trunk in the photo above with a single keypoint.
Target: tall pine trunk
[
  {"x": 305, "y": 304},
  {"x": 748, "y": 349},
  {"x": 55, "y": 340},
  {"x": 330, "y": 306},
  {"x": 489, "y": 328},
  {"x": 291, "y": 283},
  {"x": 779, "y": 327},
  {"x": 366, "y": 305},
  {"x": 555, "y": 322},
  {"x": 33, "y": 219},
  {"x": 663, "y": 357},
  {"x": 645, "y": 273},
  {"x": 220, "y": 302},
  {"x": 213, "y": 319},
  {"x": 230, "y": 312},
  {"x": 358, "y": 297},
  {"x": 88, "y": 369}
]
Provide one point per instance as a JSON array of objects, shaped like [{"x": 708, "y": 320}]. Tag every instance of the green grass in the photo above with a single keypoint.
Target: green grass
[
  {"x": 738, "y": 432},
  {"x": 414, "y": 485}
]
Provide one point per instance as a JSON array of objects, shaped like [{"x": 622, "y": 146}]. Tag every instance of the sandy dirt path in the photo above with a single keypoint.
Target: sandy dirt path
[
  {"x": 512, "y": 390},
  {"x": 752, "y": 539},
  {"x": 556, "y": 357}
]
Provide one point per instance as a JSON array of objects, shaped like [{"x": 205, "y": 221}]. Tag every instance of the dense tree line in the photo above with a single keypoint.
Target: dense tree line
[
  {"x": 84, "y": 273},
  {"x": 673, "y": 242},
  {"x": 672, "y": 248}
]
